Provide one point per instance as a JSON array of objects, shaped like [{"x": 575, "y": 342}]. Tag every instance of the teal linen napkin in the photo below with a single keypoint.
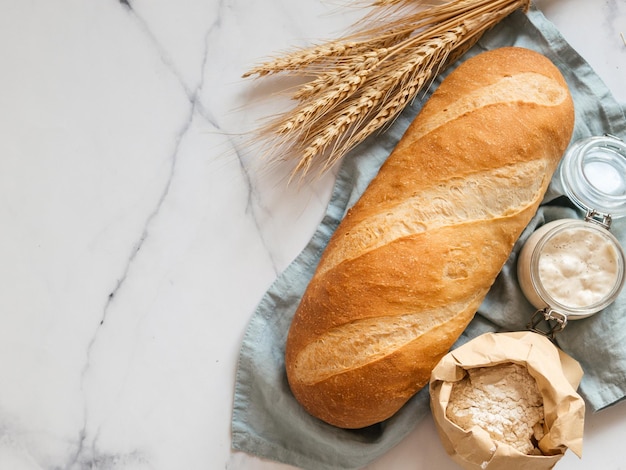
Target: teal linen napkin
[{"x": 266, "y": 419}]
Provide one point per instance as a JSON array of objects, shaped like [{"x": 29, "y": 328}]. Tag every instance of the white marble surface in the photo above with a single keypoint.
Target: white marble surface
[{"x": 137, "y": 238}]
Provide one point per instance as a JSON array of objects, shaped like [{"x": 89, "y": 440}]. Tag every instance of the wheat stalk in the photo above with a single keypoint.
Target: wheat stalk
[{"x": 361, "y": 82}]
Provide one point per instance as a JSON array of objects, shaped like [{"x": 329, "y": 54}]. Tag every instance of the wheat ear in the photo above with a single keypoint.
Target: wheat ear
[{"x": 361, "y": 82}]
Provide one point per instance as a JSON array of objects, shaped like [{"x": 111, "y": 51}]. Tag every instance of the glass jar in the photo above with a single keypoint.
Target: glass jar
[
  {"x": 593, "y": 175},
  {"x": 570, "y": 268}
]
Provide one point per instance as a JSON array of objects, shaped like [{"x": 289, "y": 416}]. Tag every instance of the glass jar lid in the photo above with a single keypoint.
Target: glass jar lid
[{"x": 593, "y": 174}]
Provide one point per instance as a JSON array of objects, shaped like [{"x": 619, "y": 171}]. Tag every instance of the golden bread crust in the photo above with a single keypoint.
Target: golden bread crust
[{"x": 411, "y": 262}]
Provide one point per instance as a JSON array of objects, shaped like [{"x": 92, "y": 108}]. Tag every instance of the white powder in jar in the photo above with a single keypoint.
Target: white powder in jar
[{"x": 578, "y": 267}]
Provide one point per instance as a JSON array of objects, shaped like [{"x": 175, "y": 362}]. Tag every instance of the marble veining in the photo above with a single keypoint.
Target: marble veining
[{"x": 139, "y": 230}]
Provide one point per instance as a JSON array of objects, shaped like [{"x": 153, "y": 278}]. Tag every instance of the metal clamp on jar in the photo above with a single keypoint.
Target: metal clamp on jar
[{"x": 570, "y": 268}]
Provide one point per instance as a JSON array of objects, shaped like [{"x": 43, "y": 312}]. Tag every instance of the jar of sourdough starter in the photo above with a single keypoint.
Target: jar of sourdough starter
[{"x": 571, "y": 268}]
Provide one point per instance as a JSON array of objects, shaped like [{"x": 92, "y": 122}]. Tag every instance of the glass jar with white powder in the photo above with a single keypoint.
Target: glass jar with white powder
[{"x": 571, "y": 268}]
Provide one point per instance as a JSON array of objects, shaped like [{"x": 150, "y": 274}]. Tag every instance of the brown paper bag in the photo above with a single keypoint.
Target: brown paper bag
[{"x": 557, "y": 376}]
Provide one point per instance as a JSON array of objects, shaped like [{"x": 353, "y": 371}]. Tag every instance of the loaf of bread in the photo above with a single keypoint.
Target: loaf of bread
[{"x": 407, "y": 268}]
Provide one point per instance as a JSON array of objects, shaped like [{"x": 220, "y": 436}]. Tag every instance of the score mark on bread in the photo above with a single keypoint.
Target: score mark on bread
[{"x": 480, "y": 196}]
